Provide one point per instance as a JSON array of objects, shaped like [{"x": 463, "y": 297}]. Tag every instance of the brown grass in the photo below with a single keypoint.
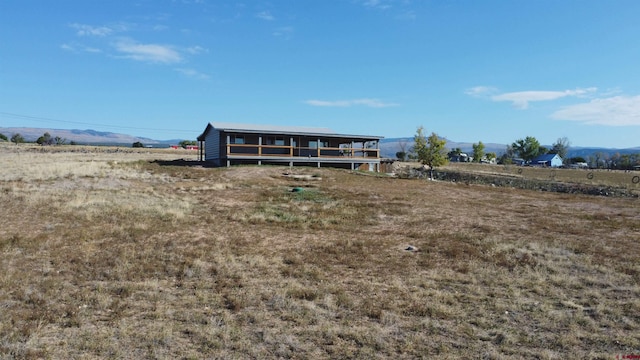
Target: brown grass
[
  {"x": 135, "y": 259},
  {"x": 603, "y": 177}
]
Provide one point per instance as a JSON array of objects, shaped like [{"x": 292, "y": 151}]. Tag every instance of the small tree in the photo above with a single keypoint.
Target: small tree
[
  {"x": 490, "y": 156},
  {"x": 59, "y": 141},
  {"x": 401, "y": 156},
  {"x": 3, "y": 137},
  {"x": 137, "y": 144},
  {"x": 478, "y": 151},
  {"x": 430, "y": 151},
  {"x": 561, "y": 147},
  {"x": 17, "y": 138},
  {"x": 45, "y": 139}
]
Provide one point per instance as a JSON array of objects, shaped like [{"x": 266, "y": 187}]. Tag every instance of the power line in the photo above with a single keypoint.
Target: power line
[{"x": 38, "y": 118}]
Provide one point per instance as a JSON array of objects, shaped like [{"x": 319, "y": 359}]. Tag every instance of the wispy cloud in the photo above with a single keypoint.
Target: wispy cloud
[
  {"x": 192, "y": 73},
  {"x": 521, "y": 99},
  {"x": 374, "y": 103},
  {"x": 376, "y": 4},
  {"x": 612, "y": 111},
  {"x": 153, "y": 53},
  {"x": 481, "y": 91},
  {"x": 104, "y": 39},
  {"x": 80, "y": 48},
  {"x": 88, "y": 30},
  {"x": 194, "y": 50},
  {"x": 284, "y": 32},
  {"x": 265, "y": 15},
  {"x": 407, "y": 15}
]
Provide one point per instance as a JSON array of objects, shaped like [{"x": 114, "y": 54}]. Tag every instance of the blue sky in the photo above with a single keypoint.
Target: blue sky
[{"x": 490, "y": 71}]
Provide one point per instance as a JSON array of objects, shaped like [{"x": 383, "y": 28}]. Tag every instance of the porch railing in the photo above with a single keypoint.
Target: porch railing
[{"x": 298, "y": 151}]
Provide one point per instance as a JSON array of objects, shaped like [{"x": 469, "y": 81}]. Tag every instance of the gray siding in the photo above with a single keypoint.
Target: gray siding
[{"x": 212, "y": 146}]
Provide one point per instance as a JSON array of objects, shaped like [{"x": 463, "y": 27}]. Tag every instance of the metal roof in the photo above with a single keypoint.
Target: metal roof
[
  {"x": 281, "y": 130},
  {"x": 546, "y": 157},
  {"x": 270, "y": 128}
]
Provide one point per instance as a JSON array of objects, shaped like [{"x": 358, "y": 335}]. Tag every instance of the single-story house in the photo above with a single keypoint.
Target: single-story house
[
  {"x": 550, "y": 160},
  {"x": 226, "y": 144}
]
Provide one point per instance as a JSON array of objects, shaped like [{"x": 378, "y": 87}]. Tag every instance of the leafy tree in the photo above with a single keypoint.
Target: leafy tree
[
  {"x": 401, "y": 156},
  {"x": 478, "y": 151},
  {"x": 430, "y": 151},
  {"x": 137, "y": 144},
  {"x": 527, "y": 148},
  {"x": 184, "y": 143},
  {"x": 17, "y": 138},
  {"x": 45, "y": 139},
  {"x": 561, "y": 147},
  {"x": 490, "y": 156},
  {"x": 3, "y": 137}
]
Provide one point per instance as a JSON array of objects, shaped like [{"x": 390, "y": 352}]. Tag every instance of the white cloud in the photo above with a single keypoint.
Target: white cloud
[
  {"x": 480, "y": 91},
  {"x": 192, "y": 73},
  {"x": 613, "y": 111},
  {"x": 88, "y": 30},
  {"x": 147, "y": 52},
  {"x": 374, "y": 103},
  {"x": 78, "y": 48},
  {"x": 521, "y": 99},
  {"x": 194, "y": 50},
  {"x": 265, "y": 15}
]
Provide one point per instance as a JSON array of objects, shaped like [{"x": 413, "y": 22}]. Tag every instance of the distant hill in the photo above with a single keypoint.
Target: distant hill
[
  {"x": 388, "y": 146},
  {"x": 89, "y": 137}
]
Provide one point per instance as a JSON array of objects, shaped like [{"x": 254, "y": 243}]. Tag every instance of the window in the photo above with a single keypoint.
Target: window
[
  {"x": 237, "y": 139},
  {"x": 275, "y": 140}
]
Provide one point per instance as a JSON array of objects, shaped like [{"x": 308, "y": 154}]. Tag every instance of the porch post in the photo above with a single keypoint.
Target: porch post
[{"x": 291, "y": 147}]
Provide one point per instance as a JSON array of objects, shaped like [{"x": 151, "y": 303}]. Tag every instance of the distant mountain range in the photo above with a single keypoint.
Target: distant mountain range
[
  {"x": 86, "y": 137},
  {"x": 388, "y": 147}
]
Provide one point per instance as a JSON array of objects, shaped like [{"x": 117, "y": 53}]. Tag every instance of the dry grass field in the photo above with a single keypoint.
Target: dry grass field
[{"x": 128, "y": 255}]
